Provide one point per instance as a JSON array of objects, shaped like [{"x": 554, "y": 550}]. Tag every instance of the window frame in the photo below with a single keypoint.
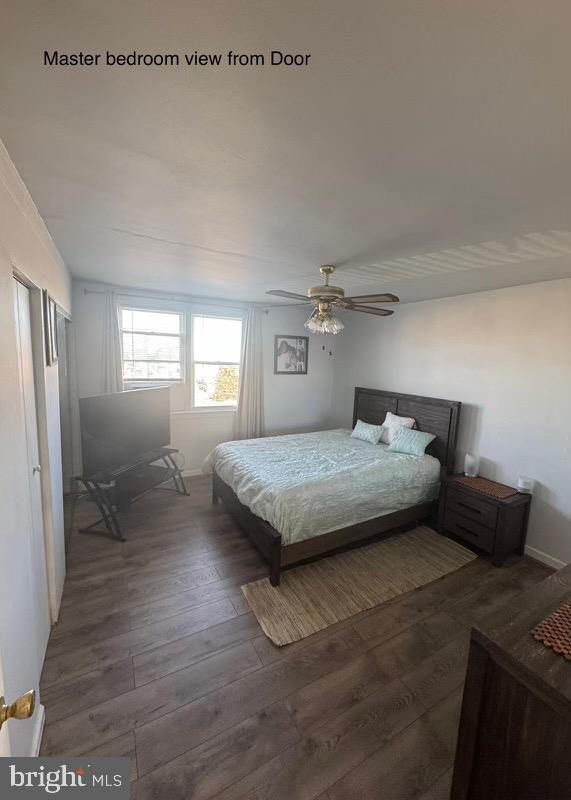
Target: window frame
[
  {"x": 146, "y": 383},
  {"x": 192, "y": 361}
]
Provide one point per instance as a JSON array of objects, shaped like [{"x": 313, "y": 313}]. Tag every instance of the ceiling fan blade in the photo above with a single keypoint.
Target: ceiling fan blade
[
  {"x": 291, "y": 305},
  {"x": 379, "y": 312},
  {"x": 289, "y": 295},
  {"x": 373, "y": 298}
]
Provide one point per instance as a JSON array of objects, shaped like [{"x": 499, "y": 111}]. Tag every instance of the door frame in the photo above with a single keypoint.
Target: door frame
[{"x": 38, "y": 356}]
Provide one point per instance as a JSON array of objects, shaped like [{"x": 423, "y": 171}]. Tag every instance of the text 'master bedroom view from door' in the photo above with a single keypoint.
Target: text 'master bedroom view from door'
[{"x": 284, "y": 416}]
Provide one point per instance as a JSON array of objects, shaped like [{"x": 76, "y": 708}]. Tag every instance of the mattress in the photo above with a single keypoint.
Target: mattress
[{"x": 309, "y": 484}]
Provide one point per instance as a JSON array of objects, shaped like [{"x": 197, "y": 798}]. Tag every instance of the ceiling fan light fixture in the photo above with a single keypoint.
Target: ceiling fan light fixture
[
  {"x": 325, "y": 298},
  {"x": 323, "y": 321}
]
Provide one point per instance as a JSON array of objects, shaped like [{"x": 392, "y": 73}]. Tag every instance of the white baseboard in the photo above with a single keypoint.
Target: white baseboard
[
  {"x": 544, "y": 558},
  {"x": 192, "y": 473},
  {"x": 38, "y": 731}
]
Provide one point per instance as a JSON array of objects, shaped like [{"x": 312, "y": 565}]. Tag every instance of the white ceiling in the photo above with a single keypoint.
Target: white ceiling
[{"x": 419, "y": 127}]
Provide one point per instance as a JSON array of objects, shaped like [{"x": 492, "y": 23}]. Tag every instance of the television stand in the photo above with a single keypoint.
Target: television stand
[{"x": 114, "y": 490}]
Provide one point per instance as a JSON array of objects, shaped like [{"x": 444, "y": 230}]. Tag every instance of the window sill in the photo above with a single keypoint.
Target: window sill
[
  {"x": 130, "y": 385},
  {"x": 224, "y": 411}
]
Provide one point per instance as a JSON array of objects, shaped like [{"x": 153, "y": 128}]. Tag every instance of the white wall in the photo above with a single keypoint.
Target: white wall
[
  {"x": 506, "y": 355},
  {"x": 292, "y": 402},
  {"x": 26, "y": 245},
  {"x": 295, "y": 403}
]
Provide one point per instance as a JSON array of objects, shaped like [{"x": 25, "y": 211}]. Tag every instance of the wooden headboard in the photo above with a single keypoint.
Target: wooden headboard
[{"x": 439, "y": 417}]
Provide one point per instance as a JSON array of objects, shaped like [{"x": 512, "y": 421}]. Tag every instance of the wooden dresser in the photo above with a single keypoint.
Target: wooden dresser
[
  {"x": 493, "y": 526},
  {"x": 514, "y": 741}
]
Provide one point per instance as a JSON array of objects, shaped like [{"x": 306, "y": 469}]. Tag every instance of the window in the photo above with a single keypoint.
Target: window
[
  {"x": 153, "y": 344},
  {"x": 216, "y": 343}
]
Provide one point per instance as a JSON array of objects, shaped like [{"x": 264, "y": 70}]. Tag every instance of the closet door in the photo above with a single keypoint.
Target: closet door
[{"x": 24, "y": 611}]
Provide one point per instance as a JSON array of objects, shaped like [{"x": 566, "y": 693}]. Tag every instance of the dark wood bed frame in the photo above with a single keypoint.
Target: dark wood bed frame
[{"x": 439, "y": 417}]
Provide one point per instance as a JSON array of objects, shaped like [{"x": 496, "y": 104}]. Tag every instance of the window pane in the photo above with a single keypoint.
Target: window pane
[
  {"x": 156, "y": 321},
  {"x": 215, "y": 385},
  {"x": 216, "y": 339},
  {"x": 151, "y": 371},
  {"x": 152, "y": 345},
  {"x": 145, "y": 346}
]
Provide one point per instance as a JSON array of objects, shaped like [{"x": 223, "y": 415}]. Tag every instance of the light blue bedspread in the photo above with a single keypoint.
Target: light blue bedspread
[{"x": 308, "y": 484}]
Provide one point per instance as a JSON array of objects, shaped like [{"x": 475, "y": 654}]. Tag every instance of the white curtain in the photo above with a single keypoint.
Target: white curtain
[
  {"x": 112, "y": 360},
  {"x": 249, "y": 421}
]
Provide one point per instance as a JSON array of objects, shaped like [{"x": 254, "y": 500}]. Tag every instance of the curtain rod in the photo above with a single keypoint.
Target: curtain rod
[
  {"x": 171, "y": 298},
  {"x": 187, "y": 298}
]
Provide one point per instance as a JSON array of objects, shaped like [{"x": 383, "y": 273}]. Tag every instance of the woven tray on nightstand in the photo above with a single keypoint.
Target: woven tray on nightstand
[
  {"x": 555, "y": 631},
  {"x": 498, "y": 490}
]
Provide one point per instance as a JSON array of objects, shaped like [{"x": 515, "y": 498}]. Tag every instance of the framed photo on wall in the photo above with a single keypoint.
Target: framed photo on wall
[
  {"x": 50, "y": 328},
  {"x": 290, "y": 354}
]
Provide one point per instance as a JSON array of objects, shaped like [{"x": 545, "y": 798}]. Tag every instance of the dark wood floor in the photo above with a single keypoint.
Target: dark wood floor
[{"x": 157, "y": 657}]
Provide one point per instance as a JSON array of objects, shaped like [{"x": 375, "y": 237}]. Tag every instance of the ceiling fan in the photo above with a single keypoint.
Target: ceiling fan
[{"x": 326, "y": 297}]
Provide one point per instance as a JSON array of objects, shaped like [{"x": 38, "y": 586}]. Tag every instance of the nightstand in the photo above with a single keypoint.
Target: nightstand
[{"x": 488, "y": 516}]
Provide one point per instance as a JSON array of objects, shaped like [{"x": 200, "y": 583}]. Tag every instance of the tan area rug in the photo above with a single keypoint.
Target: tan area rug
[{"x": 314, "y": 596}]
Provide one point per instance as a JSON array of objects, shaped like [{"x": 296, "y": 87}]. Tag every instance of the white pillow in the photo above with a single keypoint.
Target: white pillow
[{"x": 392, "y": 424}]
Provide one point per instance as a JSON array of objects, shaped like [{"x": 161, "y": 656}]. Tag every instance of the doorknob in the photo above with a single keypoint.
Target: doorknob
[
  {"x": 22, "y": 708},
  {"x": 37, "y": 468}
]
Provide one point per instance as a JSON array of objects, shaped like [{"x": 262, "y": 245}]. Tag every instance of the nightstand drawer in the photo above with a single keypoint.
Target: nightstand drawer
[
  {"x": 477, "y": 510},
  {"x": 469, "y": 530}
]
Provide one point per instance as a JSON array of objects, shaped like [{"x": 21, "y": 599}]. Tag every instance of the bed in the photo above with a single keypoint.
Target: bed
[{"x": 306, "y": 495}]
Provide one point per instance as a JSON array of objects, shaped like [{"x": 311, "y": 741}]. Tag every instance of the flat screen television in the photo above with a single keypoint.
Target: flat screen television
[{"x": 119, "y": 428}]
